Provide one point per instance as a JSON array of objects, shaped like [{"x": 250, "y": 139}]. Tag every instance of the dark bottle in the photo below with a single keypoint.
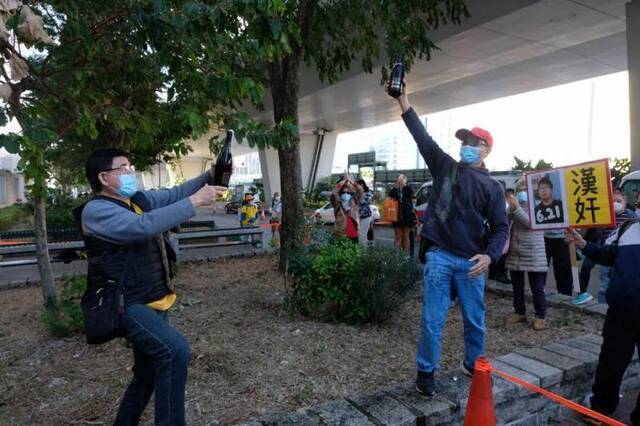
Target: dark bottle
[
  {"x": 397, "y": 75},
  {"x": 224, "y": 163}
]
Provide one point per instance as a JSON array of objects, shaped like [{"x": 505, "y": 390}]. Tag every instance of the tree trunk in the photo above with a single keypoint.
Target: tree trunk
[
  {"x": 42, "y": 253},
  {"x": 284, "y": 91}
]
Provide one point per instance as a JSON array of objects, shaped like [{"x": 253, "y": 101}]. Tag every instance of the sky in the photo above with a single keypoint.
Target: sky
[{"x": 561, "y": 125}]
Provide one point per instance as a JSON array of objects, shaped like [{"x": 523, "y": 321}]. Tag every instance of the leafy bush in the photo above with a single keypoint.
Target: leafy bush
[
  {"x": 66, "y": 317},
  {"x": 13, "y": 215},
  {"x": 60, "y": 205},
  {"x": 314, "y": 200},
  {"x": 345, "y": 282}
]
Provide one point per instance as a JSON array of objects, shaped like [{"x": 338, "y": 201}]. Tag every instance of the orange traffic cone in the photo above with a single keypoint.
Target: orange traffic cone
[{"x": 480, "y": 408}]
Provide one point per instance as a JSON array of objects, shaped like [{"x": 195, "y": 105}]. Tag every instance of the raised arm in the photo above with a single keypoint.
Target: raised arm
[
  {"x": 520, "y": 216},
  {"x": 111, "y": 222},
  {"x": 437, "y": 160},
  {"x": 164, "y": 197}
]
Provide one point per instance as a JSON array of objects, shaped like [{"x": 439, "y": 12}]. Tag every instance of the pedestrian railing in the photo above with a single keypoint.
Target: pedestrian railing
[{"x": 69, "y": 251}]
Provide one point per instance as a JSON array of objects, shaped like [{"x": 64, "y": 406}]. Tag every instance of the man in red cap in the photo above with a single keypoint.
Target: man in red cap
[{"x": 467, "y": 229}]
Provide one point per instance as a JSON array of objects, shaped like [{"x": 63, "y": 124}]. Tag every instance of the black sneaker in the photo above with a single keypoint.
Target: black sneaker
[
  {"x": 467, "y": 370},
  {"x": 425, "y": 384}
]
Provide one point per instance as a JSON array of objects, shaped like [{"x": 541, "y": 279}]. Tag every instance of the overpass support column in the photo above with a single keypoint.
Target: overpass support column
[
  {"x": 317, "y": 151},
  {"x": 633, "y": 60},
  {"x": 316, "y": 155},
  {"x": 270, "y": 168}
]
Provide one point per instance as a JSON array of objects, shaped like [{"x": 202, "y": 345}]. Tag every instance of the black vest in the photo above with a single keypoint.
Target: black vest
[{"x": 140, "y": 267}]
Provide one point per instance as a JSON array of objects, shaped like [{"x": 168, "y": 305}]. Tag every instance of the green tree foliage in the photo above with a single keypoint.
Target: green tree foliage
[
  {"x": 144, "y": 76},
  {"x": 527, "y": 166},
  {"x": 619, "y": 168},
  {"x": 330, "y": 37}
]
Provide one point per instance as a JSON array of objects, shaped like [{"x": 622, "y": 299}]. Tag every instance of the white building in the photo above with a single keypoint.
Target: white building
[{"x": 11, "y": 180}]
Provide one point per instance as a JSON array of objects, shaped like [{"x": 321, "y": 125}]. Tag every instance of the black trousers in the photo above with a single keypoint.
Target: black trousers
[
  {"x": 536, "y": 282},
  {"x": 621, "y": 335},
  {"x": 558, "y": 254}
]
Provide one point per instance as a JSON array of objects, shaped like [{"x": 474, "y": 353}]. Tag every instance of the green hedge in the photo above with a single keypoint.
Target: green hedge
[{"x": 337, "y": 280}]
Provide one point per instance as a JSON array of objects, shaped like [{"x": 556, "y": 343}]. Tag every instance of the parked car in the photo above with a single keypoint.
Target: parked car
[{"x": 326, "y": 215}]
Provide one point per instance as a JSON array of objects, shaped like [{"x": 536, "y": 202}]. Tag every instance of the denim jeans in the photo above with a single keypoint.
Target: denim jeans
[
  {"x": 161, "y": 357},
  {"x": 443, "y": 273}
]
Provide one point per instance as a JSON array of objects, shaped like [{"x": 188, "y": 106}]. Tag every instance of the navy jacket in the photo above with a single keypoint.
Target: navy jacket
[
  {"x": 623, "y": 292},
  {"x": 467, "y": 213}
]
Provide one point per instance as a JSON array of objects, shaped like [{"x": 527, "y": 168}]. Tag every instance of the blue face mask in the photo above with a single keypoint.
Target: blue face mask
[
  {"x": 345, "y": 197},
  {"x": 523, "y": 197},
  {"x": 128, "y": 185},
  {"x": 469, "y": 154}
]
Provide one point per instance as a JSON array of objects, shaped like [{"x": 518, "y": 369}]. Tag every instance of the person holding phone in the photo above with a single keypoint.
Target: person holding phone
[{"x": 466, "y": 229}]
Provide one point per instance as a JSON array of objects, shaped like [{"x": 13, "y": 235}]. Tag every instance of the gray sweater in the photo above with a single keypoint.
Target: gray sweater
[
  {"x": 115, "y": 224},
  {"x": 526, "y": 250}
]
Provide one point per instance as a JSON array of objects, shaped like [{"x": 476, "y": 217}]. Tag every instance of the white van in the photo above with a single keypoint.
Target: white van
[{"x": 508, "y": 180}]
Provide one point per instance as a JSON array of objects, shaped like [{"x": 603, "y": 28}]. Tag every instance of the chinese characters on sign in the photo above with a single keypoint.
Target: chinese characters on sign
[{"x": 577, "y": 196}]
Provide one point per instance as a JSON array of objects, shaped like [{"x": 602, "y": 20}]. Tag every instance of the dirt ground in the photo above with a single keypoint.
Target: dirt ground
[{"x": 249, "y": 356}]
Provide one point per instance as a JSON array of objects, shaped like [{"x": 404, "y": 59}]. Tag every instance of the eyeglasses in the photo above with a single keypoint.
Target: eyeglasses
[
  {"x": 475, "y": 141},
  {"x": 122, "y": 170}
]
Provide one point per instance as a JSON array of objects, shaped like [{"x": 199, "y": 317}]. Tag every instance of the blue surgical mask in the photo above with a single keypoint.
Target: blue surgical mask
[
  {"x": 523, "y": 197},
  {"x": 469, "y": 154},
  {"x": 345, "y": 197},
  {"x": 128, "y": 185}
]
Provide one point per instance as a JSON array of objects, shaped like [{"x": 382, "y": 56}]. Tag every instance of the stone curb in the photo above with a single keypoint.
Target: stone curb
[
  {"x": 555, "y": 300},
  {"x": 565, "y": 367}
]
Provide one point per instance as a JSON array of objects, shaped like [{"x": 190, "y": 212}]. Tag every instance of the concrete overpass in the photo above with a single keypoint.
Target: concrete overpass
[{"x": 507, "y": 47}]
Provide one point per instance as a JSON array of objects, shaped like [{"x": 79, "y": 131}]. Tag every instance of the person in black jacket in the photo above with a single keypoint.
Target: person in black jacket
[
  {"x": 122, "y": 230},
  {"x": 465, "y": 199},
  {"x": 403, "y": 194},
  {"x": 621, "y": 329}
]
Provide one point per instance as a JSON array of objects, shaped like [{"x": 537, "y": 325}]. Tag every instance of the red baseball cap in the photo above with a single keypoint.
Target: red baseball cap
[{"x": 477, "y": 132}]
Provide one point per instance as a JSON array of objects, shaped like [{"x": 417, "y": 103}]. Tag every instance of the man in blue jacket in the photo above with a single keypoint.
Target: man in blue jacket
[
  {"x": 621, "y": 329},
  {"x": 467, "y": 228},
  {"x": 122, "y": 229}
]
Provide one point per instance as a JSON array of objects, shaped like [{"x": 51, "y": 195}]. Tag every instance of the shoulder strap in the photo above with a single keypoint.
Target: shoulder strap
[
  {"x": 623, "y": 228},
  {"x": 454, "y": 174}
]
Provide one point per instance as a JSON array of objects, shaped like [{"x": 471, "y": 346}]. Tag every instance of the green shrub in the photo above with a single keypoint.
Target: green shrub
[
  {"x": 345, "y": 282},
  {"x": 16, "y": 214},
  {"x": 66, "y": 317}
]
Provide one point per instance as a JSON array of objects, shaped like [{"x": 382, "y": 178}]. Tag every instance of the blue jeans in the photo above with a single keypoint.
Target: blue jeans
[
  {"x": 444, "y": 272},
  {"x": 161, "y": 357}
]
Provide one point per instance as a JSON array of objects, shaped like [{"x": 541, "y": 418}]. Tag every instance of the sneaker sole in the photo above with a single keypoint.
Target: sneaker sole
[
  {"x": 425, "y": 393},
  {"x": 581, "y": 302},
  {"x": 466, "y": 371}
]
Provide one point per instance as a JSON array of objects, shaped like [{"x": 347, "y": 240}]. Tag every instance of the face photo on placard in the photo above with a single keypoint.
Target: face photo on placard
[{"x": 547, "y": 201}]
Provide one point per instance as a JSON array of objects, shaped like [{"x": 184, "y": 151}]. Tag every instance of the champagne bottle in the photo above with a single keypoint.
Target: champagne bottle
[
  {"x": 224, "y": 163},
  {"x": 397, "y": 75}
]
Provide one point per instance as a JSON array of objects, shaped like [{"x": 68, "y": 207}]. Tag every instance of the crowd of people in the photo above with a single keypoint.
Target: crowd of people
[{"x": 470, "y": 223}]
